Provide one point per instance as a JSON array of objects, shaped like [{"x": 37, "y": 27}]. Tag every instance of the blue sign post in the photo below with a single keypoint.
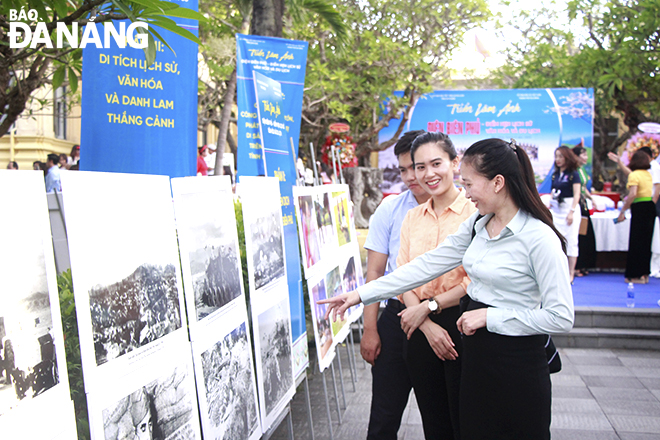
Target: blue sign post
[
  {"x": 138, "y": 118},
  {"x": 268, "y": 133}
]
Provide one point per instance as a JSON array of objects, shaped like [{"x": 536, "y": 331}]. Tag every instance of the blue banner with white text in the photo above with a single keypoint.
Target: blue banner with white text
[
  {"x": 268, "y": 134},
  {"x": 138, "y": 118},
  {"x": 538, "y": 119}
]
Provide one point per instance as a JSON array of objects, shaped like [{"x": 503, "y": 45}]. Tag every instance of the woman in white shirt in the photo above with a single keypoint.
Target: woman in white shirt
[{"x": 520, "y": 292}]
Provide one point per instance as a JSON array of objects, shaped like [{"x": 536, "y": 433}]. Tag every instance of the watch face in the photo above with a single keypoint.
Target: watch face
[{"x": 433, "y": 306}]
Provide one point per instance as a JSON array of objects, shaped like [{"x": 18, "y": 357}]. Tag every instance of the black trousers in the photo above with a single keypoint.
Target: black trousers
[
  {"x": 436, "y": 382},
  {"x": 391, "y": 384},
  {"x": 505, "y": 392},
  {"x": 642, "y": 221}
]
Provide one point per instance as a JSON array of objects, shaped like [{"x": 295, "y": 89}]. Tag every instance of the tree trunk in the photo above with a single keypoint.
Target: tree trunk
[
  {"x": 223, "y": 129},
  {"x": 267, "y": 17}
]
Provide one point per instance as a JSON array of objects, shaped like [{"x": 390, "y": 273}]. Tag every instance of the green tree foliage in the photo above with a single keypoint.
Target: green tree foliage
[
  {"x": 392, "y": 45},
  {"x": 24, "y": 70},
  {"x": 72, "y": 352},
  {"x": 611, "y": 46}
]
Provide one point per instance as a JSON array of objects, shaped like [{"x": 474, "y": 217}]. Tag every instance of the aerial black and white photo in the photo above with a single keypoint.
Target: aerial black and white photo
[
  {"x": 208, "y": 236},
  {"x": 162, "y": 409},
  {"x": 267, "y": 250},
  {"x": 275, "y": 349},
  {"x": 134, "y": 311},
  {"x": 230, "y": 387},
  {"x": 28, "y": 354},
  {"x": 126, "y": 270}
]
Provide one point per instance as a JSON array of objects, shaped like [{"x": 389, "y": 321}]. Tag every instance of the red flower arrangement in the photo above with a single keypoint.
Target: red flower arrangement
[{"x": 343, "y": 143}]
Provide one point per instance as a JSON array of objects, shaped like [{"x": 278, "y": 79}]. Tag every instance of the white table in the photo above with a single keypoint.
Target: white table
[{"x": 612, "y": 237}]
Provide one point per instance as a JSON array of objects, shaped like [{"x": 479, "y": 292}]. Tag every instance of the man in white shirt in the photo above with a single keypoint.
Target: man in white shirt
[{"x": 53, "y": 176}]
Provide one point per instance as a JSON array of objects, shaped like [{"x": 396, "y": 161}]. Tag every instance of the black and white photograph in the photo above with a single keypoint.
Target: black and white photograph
[
  {"x": 264, "y": 236},
  {"x": 268, "y": 252},
  {"x": 126, "y": 271},
  {"x": 134, "y": 311},
  {"x": 163, "y": 409},
  {"x": 30, "y": 324},
  {"x": 208, "y": 240},
  {"x": 229, "y": 383},
  {"x": 275, "y": 348}
]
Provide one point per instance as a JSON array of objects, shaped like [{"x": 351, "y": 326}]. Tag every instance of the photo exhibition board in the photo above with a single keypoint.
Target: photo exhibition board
[
  {"x": 226, "y": 384},
  {"x": 126, "y": 273},
  {"x": 33, "y": 377},
  {"x": 151, "y": 402},
  {"x": 328, "y": 241},
  {"x": 208, "y": 245},
  {"x": 269, "y": 295},
  {"x": 325, "y": 346}
]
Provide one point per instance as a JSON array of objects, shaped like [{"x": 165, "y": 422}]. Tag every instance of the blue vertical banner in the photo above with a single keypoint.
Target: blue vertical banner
[
  {"x": 268, "y": 133},
  {"x": 138, "y": 118}
]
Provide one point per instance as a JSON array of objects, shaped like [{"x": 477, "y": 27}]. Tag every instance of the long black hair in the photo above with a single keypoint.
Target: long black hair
[{"x": 491, "y": 157}]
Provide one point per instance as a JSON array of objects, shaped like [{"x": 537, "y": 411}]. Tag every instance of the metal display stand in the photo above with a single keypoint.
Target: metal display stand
[
  {"x": 302, "y": 378},
  {"x": 341, "y": 377},
  {"x": 334, "y": 385},
  {"x": 280, "y": 418},
  {"x": 327, "y": 406}
]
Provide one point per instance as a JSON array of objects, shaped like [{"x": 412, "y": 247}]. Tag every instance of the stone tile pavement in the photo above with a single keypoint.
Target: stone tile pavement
[{"x": 600, "y": 394}]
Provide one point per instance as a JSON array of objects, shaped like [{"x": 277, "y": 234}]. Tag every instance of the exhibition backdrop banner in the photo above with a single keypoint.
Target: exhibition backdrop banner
[
  {"x": 32, "y": 358},
  {"x": 138, "y": 118},
  {"x": 280, "y": 65},
  {"x": 540, "y": 120}
]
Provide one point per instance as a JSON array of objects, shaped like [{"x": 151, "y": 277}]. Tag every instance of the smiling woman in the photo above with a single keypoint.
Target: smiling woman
[
  {"x": 433, "y": 350},
  {"x": 519, "y": 293}
]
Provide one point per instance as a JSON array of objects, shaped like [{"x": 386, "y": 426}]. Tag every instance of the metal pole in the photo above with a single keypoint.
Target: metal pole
[
  {"x": 295, "y": 165},
  {"x": 327, "y": 405},
  {"x": 309, "y": 407},
  {"x": 334, "y": 385},
  {"x": 289, "y": 422},
  {"x": 334, "y": 162},
  {"x": 314, "y": 167},
  {"x": 351, "y": 357},
  {"x": 341, "y": 378},
  {"x": 350, "y": 365},
  {"x": 341, "y": 172}
]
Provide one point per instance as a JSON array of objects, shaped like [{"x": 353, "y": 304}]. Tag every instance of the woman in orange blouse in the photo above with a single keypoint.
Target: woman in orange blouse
[{"x": 434, "y": 344}]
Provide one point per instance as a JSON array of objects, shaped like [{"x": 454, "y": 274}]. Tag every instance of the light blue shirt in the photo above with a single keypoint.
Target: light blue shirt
[
  {"x": 522, "y": 274},
  {"x": 385, "y": 226},
  {"x": 53, "y": 180}
]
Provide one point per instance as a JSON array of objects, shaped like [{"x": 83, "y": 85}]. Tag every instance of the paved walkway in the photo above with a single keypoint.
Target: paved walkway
[{"x": 600, "y": 394}]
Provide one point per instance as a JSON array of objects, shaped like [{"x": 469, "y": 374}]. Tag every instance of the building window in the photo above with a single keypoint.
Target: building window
[{"x": 59, "y": 113}]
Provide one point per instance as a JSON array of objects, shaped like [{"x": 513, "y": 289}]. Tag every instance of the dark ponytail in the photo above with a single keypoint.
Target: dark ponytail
[{"x": 491, "y": 157}]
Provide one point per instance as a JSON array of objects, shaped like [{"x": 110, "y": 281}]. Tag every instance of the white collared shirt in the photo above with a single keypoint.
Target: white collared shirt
[{"x": 522, "y": 274}]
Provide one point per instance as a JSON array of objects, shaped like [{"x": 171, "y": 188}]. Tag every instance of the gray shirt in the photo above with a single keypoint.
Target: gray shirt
[{"x": 522, "y": 274}]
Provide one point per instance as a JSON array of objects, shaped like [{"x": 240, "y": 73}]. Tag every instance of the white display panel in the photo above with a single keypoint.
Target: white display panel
[
  {"x": 34, "y": 378},
  {"x": 208, "y": 244},
  {"x": 269, "y": 296},
  {"x": 126, "y": 273}
]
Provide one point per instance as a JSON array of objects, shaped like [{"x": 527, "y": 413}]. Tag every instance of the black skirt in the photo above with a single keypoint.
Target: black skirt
[
  {"x": 642, "y": 221},
  {"x": 505, "y": 387},
  {"x": 586, "y": 243}
]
